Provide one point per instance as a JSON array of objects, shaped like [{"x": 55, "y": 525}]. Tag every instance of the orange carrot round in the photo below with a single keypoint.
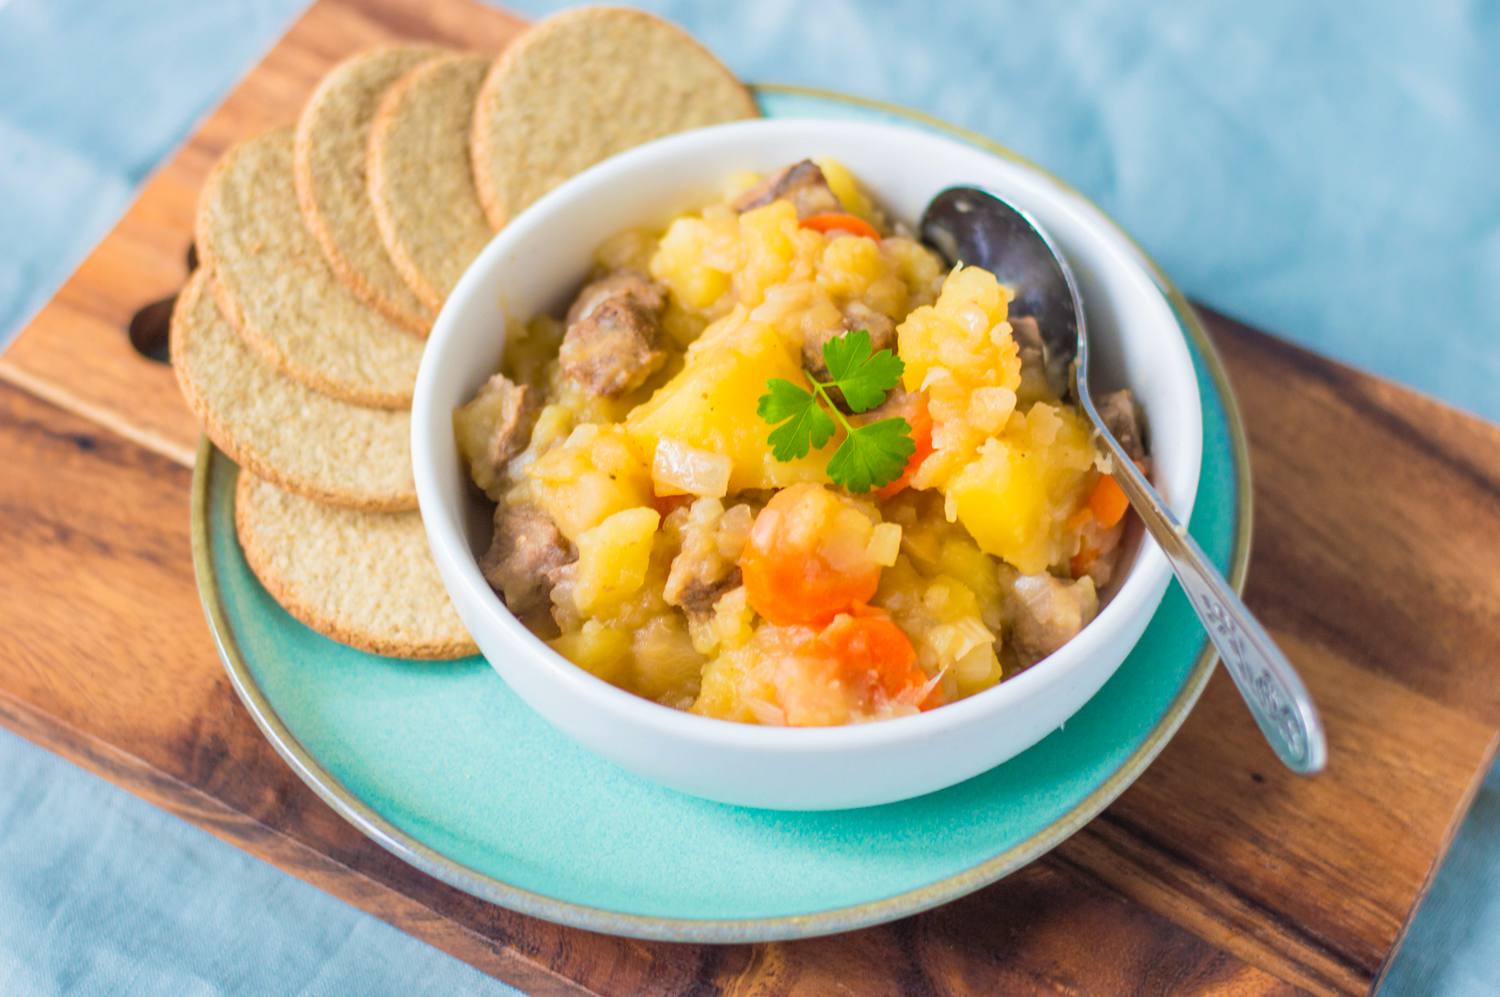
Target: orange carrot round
[
  {"x": 1108, "y": 502},
  {"x": 873, "y": 652},
  {"x": 787, "y": 586},
  {"x": 787, "y": 577},
  {"x": 840, "y": 221}
]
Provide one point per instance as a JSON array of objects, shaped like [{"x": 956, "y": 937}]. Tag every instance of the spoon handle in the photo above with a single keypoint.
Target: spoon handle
[{"x": 1266, "y": 679}]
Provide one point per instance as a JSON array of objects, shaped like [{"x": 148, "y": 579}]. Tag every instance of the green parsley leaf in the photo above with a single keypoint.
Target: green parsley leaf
[
  {"x": 873, "y": 455},
  {"x": 782, "y": 400},
  {"x": 869, "y": 456},
  {"x": 804, "y": 425},
  {"x": 863, "y": 379}
]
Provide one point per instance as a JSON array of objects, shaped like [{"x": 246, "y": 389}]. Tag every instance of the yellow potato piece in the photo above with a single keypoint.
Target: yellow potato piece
[
  {"x": 598, "y": 648},
  {"x": 667, "y": 667},
  {"x": 1016, "y": 498},
  {"x": 711, "y": 402},
  {"x": 613, "y": 559},
  {"x": 695, "y": 256},
  {"x": 595, "y": 473}
]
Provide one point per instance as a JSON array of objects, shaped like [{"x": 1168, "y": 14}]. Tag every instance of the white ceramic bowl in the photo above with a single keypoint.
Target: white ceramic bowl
[{"x": 540, "y": 259}]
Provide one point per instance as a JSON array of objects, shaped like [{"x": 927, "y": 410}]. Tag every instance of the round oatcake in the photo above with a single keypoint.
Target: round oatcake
[
  {"x": 304, "y": 441},
  {"x": 333, "y": 135},
  {"x": 583, "y": 85},
  {"x": 274, "y": 286},
  {"x": 366, "y": 579},
  {"x": 421, "y": 184}
]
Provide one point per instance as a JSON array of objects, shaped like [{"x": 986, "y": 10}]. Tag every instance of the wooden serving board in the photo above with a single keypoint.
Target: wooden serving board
[{"x": 1376, "y": 513}]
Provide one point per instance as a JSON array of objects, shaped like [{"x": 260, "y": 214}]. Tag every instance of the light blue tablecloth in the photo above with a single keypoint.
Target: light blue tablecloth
[{"x": 1329, "y": 173}]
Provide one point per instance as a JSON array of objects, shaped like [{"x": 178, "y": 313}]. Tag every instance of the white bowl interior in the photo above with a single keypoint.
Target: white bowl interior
[{"x": 539, "y": 260}]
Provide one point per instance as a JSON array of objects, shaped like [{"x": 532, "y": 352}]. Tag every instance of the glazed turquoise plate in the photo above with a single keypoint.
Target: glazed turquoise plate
[{"x": 442, "y": 764}]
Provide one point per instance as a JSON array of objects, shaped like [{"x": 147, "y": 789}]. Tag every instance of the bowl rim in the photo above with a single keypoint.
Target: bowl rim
[
  {"x": 664, "y": 928},
  {"x": 1138, "y": 593}
]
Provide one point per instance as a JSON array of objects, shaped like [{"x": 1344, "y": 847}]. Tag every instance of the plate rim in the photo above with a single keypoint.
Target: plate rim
[{"x": 782, "y": 927}]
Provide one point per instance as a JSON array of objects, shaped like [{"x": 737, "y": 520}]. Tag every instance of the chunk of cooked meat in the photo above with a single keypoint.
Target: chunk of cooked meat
[
  {"x": 526, "y": 557},
  {"x": 512, "y": 427},
  {"x": 1047, "y": 612},
  {"x": 708, "y": 564},
  {"x": 882, "y": 330},
  {"x": 1119, "y": 413},
  {"x": 801, "y": 183},
  {"x": 515, "y": 413},
  {"x": 1041, "y": 378},
  {"x": 698, "y": 591},
  {"x": 630, "y": 284},
  {"x": 614, "y": 348},
  {"x": 493, "y": 427}
]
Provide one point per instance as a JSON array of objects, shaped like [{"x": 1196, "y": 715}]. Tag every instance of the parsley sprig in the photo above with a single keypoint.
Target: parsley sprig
[{"x": 871, "y": 455}]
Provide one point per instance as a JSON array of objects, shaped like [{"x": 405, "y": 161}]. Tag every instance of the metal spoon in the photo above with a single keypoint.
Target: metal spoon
[{"x": 971, "y": 225}]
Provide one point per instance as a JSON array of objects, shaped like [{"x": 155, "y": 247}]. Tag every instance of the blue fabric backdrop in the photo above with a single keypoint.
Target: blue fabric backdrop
[{"x": 1329, "y": 173}]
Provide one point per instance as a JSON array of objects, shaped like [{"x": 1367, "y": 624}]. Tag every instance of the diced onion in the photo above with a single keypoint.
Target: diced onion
[
  {"x": 954, "y": 641},
  {"x": 975, "y": 666},
  {"x": 734, "y": 531},
  {"x": 680, "y": 469},
  {"x": 844, "y": 543},
  {"x": 885, "y": 544}
]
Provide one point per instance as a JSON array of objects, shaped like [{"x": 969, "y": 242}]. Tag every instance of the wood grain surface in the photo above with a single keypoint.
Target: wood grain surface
[{"x": 1216, "y": 873}]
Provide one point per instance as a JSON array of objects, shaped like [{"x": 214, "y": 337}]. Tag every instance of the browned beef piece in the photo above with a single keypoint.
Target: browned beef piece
[
  {"x": 1048, "y": 612},
  {"x": 614, "y": 333},
  {"x": 697, "y": 591},
  {"x": 882, "y": 330},
  {"x": 527, "y": 553},
  {"x": 628, "y": 283},
  {"x": 1118, "y": 411},
  {"x": 801, "y": 183},
  {"x": 707, "y": 565},
  {"x": 514, "y": 418}
]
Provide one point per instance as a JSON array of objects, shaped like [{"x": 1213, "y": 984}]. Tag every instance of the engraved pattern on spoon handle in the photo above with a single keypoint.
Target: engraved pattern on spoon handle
[{"x": 1269, "y": 683}]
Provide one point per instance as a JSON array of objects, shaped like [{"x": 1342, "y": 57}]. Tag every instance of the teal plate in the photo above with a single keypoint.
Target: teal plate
[{"x": 444, "y": 766}]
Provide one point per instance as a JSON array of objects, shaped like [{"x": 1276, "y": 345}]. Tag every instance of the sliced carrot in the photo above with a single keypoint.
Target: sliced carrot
[
  {"x": 787, "y": 586},
  {"x": 874, "y": 652},
  {"x": 1108, "y": 502},
  {"x": 920, "y": 421},
  {"x": 787, "y": 578},
  {"x": 839, "y": 221}
]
